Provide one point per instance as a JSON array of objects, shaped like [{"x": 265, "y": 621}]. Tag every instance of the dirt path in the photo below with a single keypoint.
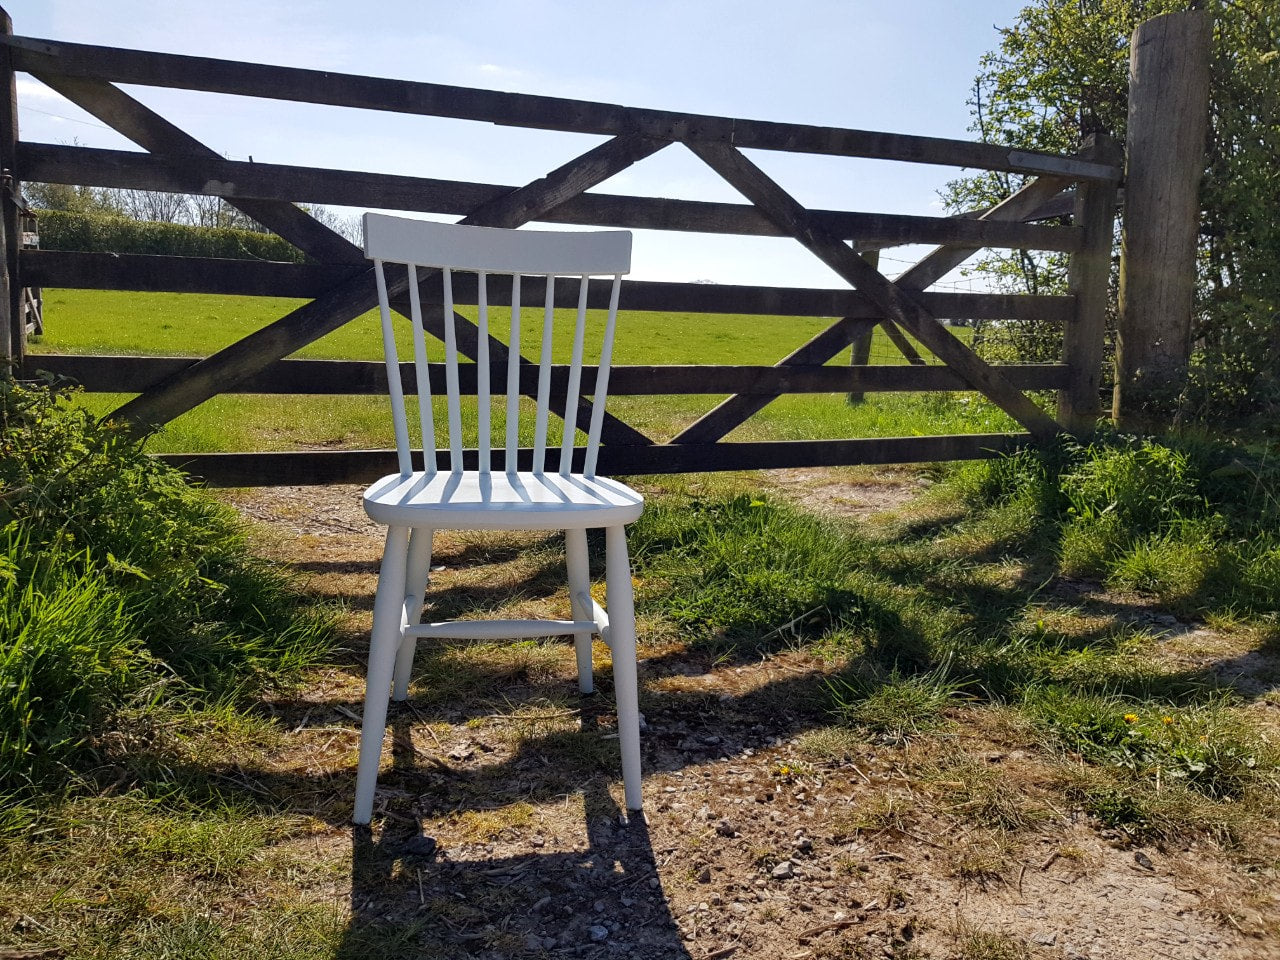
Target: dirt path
[{"x": 766, "y": 835}]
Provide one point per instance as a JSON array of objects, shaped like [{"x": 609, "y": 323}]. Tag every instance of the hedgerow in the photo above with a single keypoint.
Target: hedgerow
[{"x": 107, "y": 233}]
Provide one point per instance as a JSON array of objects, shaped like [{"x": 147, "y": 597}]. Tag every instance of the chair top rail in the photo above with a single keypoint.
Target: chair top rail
[
  {"x": 148, "y": 68},
  {"x": 488, "y": 249}
]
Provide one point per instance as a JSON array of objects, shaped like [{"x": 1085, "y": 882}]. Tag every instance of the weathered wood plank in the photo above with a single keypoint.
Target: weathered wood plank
[
  {"x": 364, "y": 466},
  {"x": 898, "y": 305},
  {"x": 734, "y": 410},
  {"x": 731, "y": 411},
  {"x": 1079, "y": 403},
  {"x": 143, "y": 272},
  {"x": 1169, "y": 82},
  {"x": 153, "y": 132},
  {"x": 355, "y": 296},
  {"x": 938, "y": 263},
  {"x": 231, "y": 180},
  {"x": 13, "y": 328},
  {"x": 524, "y": 110},
  {"x": 899, "y": 340},
  {"x": 121, "y": 374}
]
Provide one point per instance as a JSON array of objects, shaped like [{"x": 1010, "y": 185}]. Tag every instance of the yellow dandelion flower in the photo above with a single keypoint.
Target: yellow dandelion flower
[
  {"x": 1167, "y": 721},
  {"x": 1130, "y": 718}
]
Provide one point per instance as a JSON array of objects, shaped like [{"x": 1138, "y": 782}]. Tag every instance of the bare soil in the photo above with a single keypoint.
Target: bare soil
[{"x": 499, "y": 831}]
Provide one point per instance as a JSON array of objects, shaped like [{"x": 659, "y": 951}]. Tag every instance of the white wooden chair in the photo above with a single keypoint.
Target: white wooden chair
[{"x": 414, "y": 504}]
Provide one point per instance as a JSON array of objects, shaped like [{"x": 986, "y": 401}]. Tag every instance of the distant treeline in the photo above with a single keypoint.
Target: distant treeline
[
  {"x": 107, "y": 220},
  {"x": 116, "y": 233}
]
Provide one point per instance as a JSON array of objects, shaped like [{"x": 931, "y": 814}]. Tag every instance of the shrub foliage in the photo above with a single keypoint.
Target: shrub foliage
[{"x": 119, "y": 581}]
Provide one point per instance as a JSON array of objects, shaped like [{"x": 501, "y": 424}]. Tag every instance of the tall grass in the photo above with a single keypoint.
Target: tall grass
[
  {"x": 1196, "y": 524},
  {"x": 119, "y": 581}
]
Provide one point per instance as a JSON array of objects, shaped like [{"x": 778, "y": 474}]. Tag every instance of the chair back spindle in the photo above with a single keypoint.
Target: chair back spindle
[{"x": 427, "y": 250}]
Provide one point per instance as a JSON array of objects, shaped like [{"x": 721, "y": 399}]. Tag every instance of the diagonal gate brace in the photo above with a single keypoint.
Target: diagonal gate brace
[
  {"x": 721, "y": 419},
  {"x": 898, "y": 305},
  {"x": 234, "y": 363}
]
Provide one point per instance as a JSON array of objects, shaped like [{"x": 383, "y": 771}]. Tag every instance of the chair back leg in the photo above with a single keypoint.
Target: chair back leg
[
  {"x": 575, "y": 549},
  {"x": 622, "y": 645},
  {"x": 418, "y": 572},
  {"x": 388, "y": 630}
]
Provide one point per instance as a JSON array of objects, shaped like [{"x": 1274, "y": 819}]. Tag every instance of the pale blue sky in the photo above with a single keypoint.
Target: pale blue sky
[{"x": 905, "y": 67}]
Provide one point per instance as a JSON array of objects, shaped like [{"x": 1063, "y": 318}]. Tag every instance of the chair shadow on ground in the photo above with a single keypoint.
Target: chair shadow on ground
[{"x": 409, "y": 898}]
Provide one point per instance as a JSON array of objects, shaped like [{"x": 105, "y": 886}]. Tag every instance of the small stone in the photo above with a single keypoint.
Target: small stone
[
  {"x": 704, "y": 875},
  {"x": 804, "y": 845},
  {"x": 533, "y": 942},
  {"x": 1142, "y": 860},
  {"x": 537, "y": 842},
  {"x": 599, "y": 905},
  {"x": 1044, "y": 938},
  {"x": 598, "y": 933},
  {"x": 784, "y": 871},
  {"x": 725, "y": 829},
  {"x": 420, "y": 846}
]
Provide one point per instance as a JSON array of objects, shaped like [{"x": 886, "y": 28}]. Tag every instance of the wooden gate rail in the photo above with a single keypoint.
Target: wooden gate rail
[
  {"x": 317, "y": 468},
  {"x": 337, "y": 282},
  {"x": 238, "y": 180},
  {"x": 143, "y": 272},
  {"x": 522, "y": 110},
  {"x": 120, "y": 374}
]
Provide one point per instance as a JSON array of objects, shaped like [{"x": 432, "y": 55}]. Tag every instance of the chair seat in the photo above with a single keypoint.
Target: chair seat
[{"x": 469, "y": 500}]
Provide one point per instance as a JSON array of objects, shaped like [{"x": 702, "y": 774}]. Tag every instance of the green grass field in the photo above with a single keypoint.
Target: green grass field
[{"x": 110, "y": 322}]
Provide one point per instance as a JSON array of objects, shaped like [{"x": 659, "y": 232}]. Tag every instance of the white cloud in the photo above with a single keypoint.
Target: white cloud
[{"x": 30, "y": 88}]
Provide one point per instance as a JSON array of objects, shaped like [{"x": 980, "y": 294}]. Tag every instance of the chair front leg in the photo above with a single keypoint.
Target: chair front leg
[
  {"x": 575, "y": 549},
  {"x": 622, "y": 642},
  {"x": 388, "y": 620},
  {"x": 415, "y": 593}
]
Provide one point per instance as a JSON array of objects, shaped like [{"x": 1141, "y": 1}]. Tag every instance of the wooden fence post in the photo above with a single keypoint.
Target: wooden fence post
[
  {"x": 860, "y": 349},
  {"x": 1168, "y": 117},
  {"x": 1080, "y": 403},
  {"x": 11, "y": 314}
]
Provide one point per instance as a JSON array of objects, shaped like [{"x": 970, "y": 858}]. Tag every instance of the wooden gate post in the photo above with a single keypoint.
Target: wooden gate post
[
  {"x": 1080, "y": 402},
  {"x": 12, "y": 323},
  {"x": 1168, "y": 117}
]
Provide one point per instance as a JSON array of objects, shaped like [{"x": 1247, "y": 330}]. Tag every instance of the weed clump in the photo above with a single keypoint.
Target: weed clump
[
  {"x": 897, "y": 707},
  {"x": 1195, "y": 524},
  {"x": 119, "y": 585}
]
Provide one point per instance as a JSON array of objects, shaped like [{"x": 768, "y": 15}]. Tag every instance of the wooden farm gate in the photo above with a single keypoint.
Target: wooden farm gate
[{"x": 339, "y": 284}]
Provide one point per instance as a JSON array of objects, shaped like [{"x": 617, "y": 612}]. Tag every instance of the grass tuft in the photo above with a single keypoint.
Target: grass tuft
[{"x": 896, "y": 707}]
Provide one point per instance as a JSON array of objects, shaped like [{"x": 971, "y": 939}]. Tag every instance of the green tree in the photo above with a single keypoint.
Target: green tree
[{"x": 1060, "y": 73}]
